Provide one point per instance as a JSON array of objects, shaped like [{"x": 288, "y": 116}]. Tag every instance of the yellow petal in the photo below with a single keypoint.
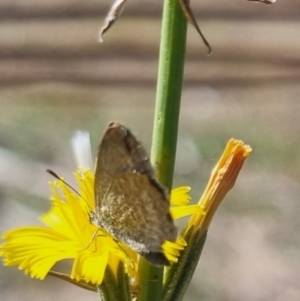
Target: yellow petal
[
  {"x": 182, "y": 211},
  {"x": 180, "y": 196}
]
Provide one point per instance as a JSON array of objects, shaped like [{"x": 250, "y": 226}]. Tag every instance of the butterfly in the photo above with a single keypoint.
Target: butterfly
[{"x": 130, "y": 203}]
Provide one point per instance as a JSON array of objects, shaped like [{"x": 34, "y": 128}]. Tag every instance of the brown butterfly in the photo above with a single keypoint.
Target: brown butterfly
[{"x": 131, "y": 204}]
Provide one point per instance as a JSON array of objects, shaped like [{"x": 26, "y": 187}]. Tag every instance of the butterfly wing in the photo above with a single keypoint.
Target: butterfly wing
[{"x": 130, "y": 203}]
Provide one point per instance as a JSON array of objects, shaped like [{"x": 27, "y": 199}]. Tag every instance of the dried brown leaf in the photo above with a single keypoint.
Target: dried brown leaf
[
  {"x": 191, "y": 18},
  {"x": 113, "y": 14}
]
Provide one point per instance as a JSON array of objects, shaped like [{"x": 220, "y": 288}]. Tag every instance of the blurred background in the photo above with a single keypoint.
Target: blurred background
[{"x": 56, "y": 79}]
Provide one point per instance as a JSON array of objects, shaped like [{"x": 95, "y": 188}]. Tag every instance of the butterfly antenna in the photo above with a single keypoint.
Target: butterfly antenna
[
  {"x": 52, "y": 173},
  {"x": 56, "y": 176}
]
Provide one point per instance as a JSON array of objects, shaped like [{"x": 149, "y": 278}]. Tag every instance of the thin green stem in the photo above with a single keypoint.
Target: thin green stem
[{"x": 169, "y": 86}]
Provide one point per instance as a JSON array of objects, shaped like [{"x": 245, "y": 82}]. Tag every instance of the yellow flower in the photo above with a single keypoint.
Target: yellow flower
[
  {"x": 222, "y": 179},
  {"x": 71, "y": 235}
]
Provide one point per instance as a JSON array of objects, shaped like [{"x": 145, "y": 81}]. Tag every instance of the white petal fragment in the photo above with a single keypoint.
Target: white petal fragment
[
  {"x": 113, "y": 14},
  {"x": 81, "y": 144}
]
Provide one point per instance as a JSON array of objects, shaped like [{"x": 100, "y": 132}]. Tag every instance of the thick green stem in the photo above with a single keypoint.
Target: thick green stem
[{"x": 169, "y": 86}]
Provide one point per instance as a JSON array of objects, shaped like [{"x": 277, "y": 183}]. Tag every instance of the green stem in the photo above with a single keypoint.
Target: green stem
[
  {"x": 108, "y": 289},
  {"x": 168, "y": 96},
  {"x": 123, "y": 283},
  {"x": 169, "y": 86}
]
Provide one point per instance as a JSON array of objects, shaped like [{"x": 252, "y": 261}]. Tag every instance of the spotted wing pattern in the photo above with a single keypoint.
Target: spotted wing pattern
[{"x": 130, "y": 202}]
